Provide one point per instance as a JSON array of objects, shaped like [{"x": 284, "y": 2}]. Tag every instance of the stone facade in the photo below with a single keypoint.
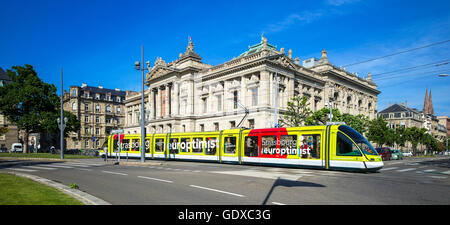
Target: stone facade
[
  {"x": 188, "y": 95},
  {"x": 99, "y": 110}
]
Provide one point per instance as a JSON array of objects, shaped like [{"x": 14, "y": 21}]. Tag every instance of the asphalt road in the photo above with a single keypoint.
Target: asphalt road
[{"x": 409, "y": 181}]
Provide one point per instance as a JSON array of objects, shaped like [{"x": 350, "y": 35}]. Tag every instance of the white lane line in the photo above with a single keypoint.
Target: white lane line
[
  {"x": 123, "y": 174},
  {"x": 151, "y": 178},
  {"x": 224, "y": 192},
  {"x": 404, "y": 170},
  {"x": 40, "y": 167},
  {"x": 76, "y": 165},
  {"x": 23, "y": 170},
  {"x": 58, "y": 166},
  {"x": 277, "y": 203},
  {"x": 389, "y": 168}
]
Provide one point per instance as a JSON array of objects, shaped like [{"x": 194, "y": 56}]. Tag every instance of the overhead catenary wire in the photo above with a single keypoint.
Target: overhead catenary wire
[{"x": 398, "y": 53}]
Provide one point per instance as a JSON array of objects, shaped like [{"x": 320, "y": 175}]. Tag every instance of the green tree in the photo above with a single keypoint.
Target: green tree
[
  {"x": 297, "y": 112},
  {"x": 377, "y": 131},
  {"x": 358, "y": 122},
  {"x": 321, "y": 117},
  {"x": 27, "y": 100}
]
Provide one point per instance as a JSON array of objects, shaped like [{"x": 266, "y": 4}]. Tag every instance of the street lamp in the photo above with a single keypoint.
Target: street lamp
[
  {"x": 140, "y": 66},
  {"x": 62, "y": 126}
]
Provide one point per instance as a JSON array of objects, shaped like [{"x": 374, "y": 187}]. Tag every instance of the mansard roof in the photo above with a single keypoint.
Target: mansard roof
[{"x": 258, "y": 47}]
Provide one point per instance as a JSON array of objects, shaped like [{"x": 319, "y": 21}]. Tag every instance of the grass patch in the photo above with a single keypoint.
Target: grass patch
[
  {"x": 15, "y": 190},
  {"x": 45, "y": 155}
]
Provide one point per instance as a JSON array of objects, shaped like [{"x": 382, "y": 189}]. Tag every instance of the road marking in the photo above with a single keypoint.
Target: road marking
[
  {"x": 40, "y": 167},
  {"x": 408, "y": 169},
  {"x": 23, "y": 170},
  {"x": 58, "y": 166},
  {"x": 123, "y": 174},
  {"x": 151, "y": 178},
  {"x": 277, "y": 203},
  {"x": 79, "y": 165},
  {"x": 224, "y": 192},
  {"x": 389, "y": 168},
  {"x": 438, "y": 177}
]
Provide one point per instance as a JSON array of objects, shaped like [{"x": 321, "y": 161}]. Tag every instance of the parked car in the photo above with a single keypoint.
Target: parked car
[
  {"x": 385, "y": 153},
  {"x": 16, "y": 147},
  {"x": 396, "y": 154},
  {"x": 407, "y": 154}
]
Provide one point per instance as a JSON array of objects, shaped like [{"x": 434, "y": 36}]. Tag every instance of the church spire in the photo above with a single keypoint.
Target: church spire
[
  {"x": 425, "y": 103},
  {"x": 430, "y": 104}
]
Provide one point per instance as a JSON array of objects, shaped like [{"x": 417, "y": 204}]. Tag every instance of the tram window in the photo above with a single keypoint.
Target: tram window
[
  {"x": 147, "y": 145},
  {"x": 251, "y": 146},
  {"x": 135, "y": 145},
  {"x": 309, "y": 146},
  {"x": 159, "y": 145},
  {"x": 125, "y": 145},
  {"x": 115, "y": 145},
  {"x": 211, "y": 145},
  {"x": 288, "y": 144},
  {"x": 345, "y": 147},
  {"x": 269, "y": 144},
  {"x": 197, "y": 145},
  {"x": 173, "y": 146},
  {"x": 185, "y": 144},
  {"x": 230, "y": 145}
]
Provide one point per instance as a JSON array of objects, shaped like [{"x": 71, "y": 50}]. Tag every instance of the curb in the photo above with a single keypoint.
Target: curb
[{"x": 81, "y": 196}]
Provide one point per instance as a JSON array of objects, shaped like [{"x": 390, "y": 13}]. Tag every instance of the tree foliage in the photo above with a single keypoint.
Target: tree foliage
[
  {"x": 297, "y": 112},
  {"x": 30, "y": 103}
]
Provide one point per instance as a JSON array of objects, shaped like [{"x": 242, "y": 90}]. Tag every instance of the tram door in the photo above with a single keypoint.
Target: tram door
[
  {"x": 159, "y": 147},
  {"x": 229, "y": 151}
]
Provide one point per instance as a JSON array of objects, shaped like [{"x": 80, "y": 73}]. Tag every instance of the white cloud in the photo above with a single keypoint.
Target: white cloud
[
  {"x": 340, "y": 2},
  {"x": 293, "y": 19}
]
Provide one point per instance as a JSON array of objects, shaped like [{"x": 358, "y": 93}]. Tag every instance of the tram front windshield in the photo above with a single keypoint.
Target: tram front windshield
[{"x": 360, "y": 140}]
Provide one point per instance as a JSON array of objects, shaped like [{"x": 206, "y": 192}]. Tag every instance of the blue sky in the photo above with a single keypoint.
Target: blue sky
[{"x": 97, "y": 42}]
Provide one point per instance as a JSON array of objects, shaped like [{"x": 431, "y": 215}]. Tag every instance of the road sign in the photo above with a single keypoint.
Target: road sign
[{"x": 119, "y": 131}]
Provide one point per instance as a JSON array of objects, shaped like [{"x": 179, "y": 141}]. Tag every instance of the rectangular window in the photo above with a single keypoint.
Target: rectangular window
[
  {"x": 159, "y": 145},
  {"x": 254, "y": 96},
  {"x": 135, "y": 145},
  {"x": 235, "y": 99},
  {"x": 230, "y": 145},
  {"x": 219, "y": 103},
  {"x": 125, "y": 145},
  {"x": 173, "y": 146},
  {"x": 288, "y": 144},
  {"x": 185, "y": 144},
  {"x": 309, "y": 146},
  {"x": 205, "y": 105},
  {"x": 147, "y": 145},
  {"x": 211, "y": 145},
  {"x": 251, "y": 147},
  {"x": 269, "y": 145},
  {"x": 197, "y": 145}
]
